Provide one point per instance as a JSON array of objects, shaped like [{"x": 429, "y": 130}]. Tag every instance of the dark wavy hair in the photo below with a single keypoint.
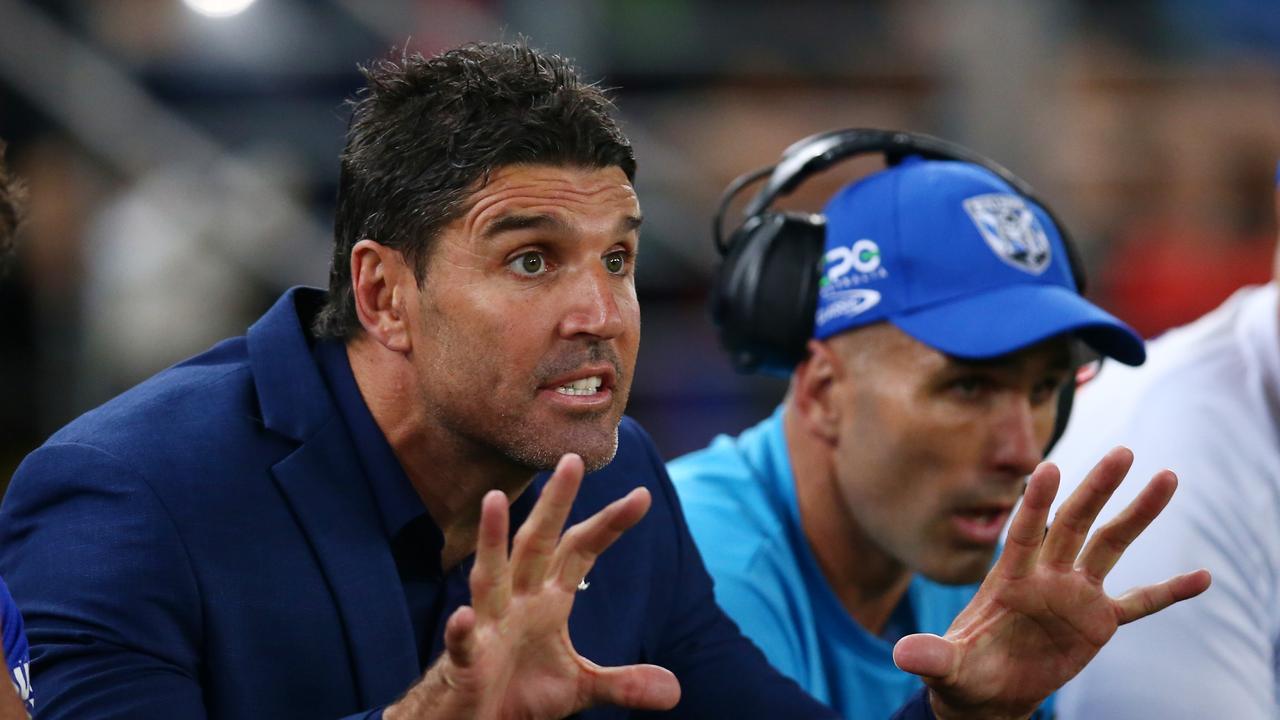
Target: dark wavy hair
[
  {"x": 426, "y": 133},
  {"x": 11, "y": 196}
]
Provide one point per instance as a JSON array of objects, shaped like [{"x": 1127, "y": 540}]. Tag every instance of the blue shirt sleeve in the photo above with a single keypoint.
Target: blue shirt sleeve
[{"x": 16, "y": 651}]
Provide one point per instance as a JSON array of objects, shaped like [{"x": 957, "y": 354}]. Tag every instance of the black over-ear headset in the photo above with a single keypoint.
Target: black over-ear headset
[{"x": 765, "y": 293}]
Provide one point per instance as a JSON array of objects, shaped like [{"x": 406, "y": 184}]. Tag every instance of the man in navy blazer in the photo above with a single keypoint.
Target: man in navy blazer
[{"x": 316, "y": 520}]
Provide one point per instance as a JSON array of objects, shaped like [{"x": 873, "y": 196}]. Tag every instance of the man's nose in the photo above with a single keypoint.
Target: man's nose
[
  {"x": 593, "y": 307},
  {"x": 1020, "y": 439}
]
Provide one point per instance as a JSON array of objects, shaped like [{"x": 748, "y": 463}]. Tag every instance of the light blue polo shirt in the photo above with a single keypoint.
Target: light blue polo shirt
[{"x": 739, "y": 499}]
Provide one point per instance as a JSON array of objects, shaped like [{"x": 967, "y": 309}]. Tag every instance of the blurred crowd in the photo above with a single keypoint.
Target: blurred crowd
[{"x": 181, "y": 167}]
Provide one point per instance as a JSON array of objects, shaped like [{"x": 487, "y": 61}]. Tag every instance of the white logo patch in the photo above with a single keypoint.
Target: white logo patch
[
  {"x": 863, "y": 256},
  {"x": 22, "y": 683},
  {"x": 1011, "y": 229},
  {"x": 845, "y": 303},
  {"x": 852, "y": 265}
]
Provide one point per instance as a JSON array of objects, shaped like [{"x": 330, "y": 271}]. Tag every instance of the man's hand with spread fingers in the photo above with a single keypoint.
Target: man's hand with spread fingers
[
  {"x": 509, "y": 654},
  {"x": 1042, "y": 614}
]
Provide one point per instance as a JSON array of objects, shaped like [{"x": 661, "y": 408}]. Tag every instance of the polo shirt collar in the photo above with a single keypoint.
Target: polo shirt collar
[{"x": 398, "y": 503}]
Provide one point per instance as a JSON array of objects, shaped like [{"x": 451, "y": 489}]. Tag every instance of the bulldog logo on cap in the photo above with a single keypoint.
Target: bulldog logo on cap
[{"x": 1011, "y": 229}]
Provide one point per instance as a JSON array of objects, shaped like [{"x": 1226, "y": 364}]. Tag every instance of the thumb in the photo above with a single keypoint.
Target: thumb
[
  {"x": 459, "y": 638},
  {"x": 643, "y": 687},
  {"x": 926, "y": 655}
]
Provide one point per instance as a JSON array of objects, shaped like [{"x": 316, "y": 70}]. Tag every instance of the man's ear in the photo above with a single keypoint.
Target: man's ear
[
  {"x": 813, "y": 391},
  {"x": 381, "y": 282}
]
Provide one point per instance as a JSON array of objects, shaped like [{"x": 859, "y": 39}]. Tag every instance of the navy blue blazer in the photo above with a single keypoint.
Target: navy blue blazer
[{"x": 205, "y": 545}]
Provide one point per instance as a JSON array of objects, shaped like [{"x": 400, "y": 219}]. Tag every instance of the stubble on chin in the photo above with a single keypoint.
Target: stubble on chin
[
  {"x": 593, "y": 464},
  {"x": 533, "y": 449}
]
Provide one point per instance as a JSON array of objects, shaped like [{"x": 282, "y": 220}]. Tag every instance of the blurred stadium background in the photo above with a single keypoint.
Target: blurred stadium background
[{"x": 182, "y": 164}]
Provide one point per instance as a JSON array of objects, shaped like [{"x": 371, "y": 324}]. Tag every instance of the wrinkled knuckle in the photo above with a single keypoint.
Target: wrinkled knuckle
[
  {"x": 1150, "y": 604},
  {"x": 1058, "y": 565},
  {"x": 1092, "y": 576},
  {"x": 620, "y": 523},
  {"x": 1026, "y": 539},
  {"x": 573, "y": 537},
  {"x": 524, "y": 537},
  {"x": 1115, "y": 544},
  {"x": 481, "y": 582},
  {"x": 1079, "y": 525}
]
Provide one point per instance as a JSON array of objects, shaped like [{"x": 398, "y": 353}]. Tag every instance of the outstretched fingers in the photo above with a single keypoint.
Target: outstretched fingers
[
  {"x": 490, "y": 584},
  {"x": 1112, "y": 539},
  {"x": 535, "y": 542},
  {"x": 584, "y": 542},
  {"x": 1071, "y": 525},
  {"x": 1143, "y": 601},
  {"x": 1026, "y": 530}
]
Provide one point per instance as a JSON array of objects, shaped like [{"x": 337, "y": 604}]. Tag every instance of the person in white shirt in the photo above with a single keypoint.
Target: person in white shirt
[{"x": 1207, "y": 405}]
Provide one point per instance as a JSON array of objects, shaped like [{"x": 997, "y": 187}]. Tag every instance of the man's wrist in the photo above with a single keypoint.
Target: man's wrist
[
  {"x": 437, "y": 694},
  {"x": 430, "y": 691}
]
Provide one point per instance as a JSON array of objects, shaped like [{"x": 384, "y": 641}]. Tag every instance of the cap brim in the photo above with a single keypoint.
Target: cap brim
[{"x": 1011, "y": 318}]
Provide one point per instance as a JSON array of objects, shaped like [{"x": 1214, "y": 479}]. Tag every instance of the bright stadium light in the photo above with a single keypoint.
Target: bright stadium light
[{"x": 219, "y": 8}]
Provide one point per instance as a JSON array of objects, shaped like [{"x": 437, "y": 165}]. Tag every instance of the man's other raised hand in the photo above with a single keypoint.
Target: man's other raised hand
[{"x": 1042, "y": 614}]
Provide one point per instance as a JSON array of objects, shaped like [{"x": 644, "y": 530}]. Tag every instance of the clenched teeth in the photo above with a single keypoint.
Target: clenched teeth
[{"x": 585, "y": 386}]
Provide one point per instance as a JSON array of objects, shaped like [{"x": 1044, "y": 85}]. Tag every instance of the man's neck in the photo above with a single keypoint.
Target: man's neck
[
  {"x": 449, "y": 473},
  {"x": 868, "y": 581}
]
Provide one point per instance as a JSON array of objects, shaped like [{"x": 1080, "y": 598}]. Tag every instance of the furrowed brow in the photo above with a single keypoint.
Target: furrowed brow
[{"x": 512, "y": 223}]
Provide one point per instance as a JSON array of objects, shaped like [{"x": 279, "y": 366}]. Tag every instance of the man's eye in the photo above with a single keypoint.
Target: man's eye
[
  {"x": 616, "y": 262},
  {"x": 969, "y": 388},
  {"x": 529, "y": 264},
  {"x": 1047, "y": 389}
]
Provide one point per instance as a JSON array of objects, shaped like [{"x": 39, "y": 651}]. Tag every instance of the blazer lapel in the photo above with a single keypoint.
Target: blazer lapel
[{"x": 323, "y": 483}]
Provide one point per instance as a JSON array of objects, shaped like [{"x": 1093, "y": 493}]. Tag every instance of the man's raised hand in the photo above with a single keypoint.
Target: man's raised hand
[
  {"x": 509, "y": 655},
  {"x": 1042, "y": 614}
]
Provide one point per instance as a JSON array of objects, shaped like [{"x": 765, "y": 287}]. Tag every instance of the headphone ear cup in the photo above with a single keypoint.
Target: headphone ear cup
[{"x": 766, "y": 290}]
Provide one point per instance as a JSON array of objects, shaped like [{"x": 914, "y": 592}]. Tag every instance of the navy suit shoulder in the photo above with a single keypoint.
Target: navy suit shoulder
[
  {"x": 174, "y": 407},
  {"x": 203, "y": 546}
]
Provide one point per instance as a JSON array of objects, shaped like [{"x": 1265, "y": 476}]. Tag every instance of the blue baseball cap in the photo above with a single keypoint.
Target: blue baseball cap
[{"x": 956, "y": 258}]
